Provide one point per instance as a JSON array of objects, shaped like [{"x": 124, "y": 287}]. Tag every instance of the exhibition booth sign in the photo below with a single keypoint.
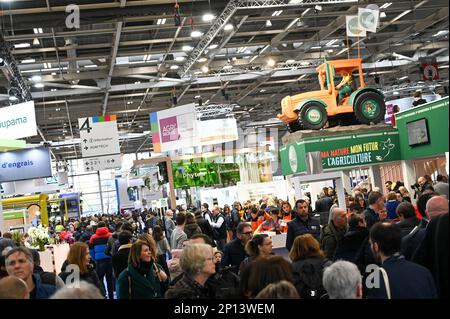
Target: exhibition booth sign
[
  {"x": 206, "y": 174},
  {"x": 339, "y": 151},
  {"x": 424, "y": 130},
  {"x": 18, "y": 121},
  {"x": 25, "y": 164}
]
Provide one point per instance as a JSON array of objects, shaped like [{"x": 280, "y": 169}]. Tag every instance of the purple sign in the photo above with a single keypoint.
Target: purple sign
[{"x": 169, "y": 129}]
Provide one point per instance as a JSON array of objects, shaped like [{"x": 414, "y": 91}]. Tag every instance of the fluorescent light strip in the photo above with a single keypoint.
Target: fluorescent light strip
[
  {"x": 401, "y": 15},
  {"x": 277, "y": 13},
  {"x": 292, "y": 23},
  {"x": 386, "y": 5},
  {"x": 264, "y": 49},
  {"x": 330, "y": 43},
  {"x": 306, "y": 11}
]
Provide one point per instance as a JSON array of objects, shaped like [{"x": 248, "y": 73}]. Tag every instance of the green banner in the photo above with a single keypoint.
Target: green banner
[
  {"x": 7, "y": 215},
  {"x": 341, "y": 151},
  {"x": 202, "y": 173}
]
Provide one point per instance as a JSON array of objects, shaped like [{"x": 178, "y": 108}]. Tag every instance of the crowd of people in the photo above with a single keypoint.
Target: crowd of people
[{"x": 373, "y": 246}]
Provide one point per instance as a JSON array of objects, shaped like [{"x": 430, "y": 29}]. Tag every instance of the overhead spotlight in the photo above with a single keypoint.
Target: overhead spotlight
[
  {"x": 228, "y": 27},
  {"x": 268, "y": 23},
  {"x": 36, "y": 41},
  {"x": 2, "y": 62},
  {"x": 271, "y": 63},
  {"x": 318, "y": 7},
  {"x": 187, "y": 48},
  {"x": 213, "y": 46},
  {"x": 208, "y": 17},
  {"x": 205, "y": 69},
  {"x": 39, "y": 85},
  {"x": 36, "y": 78},
  {"x": 202, "y": 60},
  {"x": 174, "y": 67},
  {"x": 196, "y": 34}
]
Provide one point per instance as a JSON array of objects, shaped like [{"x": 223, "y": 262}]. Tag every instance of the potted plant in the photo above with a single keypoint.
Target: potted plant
[{"x": 39, "y": 237}]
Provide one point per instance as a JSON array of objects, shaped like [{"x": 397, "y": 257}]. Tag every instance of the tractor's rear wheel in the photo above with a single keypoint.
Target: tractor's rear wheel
[
  {"x": 313, "y": 116},
  {"x": 369, "y": 108}
]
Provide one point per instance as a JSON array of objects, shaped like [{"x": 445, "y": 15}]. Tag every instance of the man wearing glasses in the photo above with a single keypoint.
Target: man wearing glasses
[
  {"x": 234, "y": 252},
  {"x": 302, "y": 224}
]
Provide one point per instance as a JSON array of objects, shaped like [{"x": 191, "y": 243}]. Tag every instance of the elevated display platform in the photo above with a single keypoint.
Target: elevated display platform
[
  {"x": 337, "y": 130},
  {"x": 308, "y": 152}
]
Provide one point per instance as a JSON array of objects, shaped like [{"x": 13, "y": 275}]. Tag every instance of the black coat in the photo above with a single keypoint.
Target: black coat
[
  {"x": 120, "y": 260},
  {"x": 90, "y": 277},
  {"x": 351, "y": 243},
  {"x": 433, "y": 253},
  {"x": 233, "y": 254},
  {"x": 408, "y": 225},
  {"x": 205, "y": 226},
  {"x": 407, "y": 280},
  {"x": 298, "y": 227},
  {"x": 188, "y": 288}
]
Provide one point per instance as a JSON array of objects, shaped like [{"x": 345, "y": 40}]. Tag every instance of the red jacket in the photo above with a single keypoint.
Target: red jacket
[{"x": 101, "y": 232}]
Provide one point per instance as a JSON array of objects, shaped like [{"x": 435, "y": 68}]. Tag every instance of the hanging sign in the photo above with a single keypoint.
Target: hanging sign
[
  {"x": 18, "y": 121},
  {"x": 25, "y": 164},
  {"x": 430, "y": 72},
  {"x": 100, "y": 142}
]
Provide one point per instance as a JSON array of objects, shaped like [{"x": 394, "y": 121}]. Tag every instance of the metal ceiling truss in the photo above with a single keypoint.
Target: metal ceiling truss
[{"x": 228, "y": 13}]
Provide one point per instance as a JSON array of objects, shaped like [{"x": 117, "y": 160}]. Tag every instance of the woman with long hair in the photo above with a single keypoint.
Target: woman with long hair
[
  {"x": 144, "y": 278},
  {"x": 162, "y": 244},
  {"x": 79, "y": 259},
  {"x": 308, "y": 263},
  {"x": 286, "y": 208},
  {"x": 259, "y": 246}
]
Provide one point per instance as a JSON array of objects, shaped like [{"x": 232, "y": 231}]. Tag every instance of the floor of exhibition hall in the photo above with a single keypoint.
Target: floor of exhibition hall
[{"x": 208, "y": 154}]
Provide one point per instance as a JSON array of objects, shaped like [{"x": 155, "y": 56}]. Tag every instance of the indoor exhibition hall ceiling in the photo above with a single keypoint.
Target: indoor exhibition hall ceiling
[{"x": 130, "y": 57}]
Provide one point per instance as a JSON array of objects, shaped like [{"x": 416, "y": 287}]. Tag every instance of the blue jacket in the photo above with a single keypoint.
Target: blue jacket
[
  {"x": 299, "y": 227},
  {"x": 406, "y": 279},
  {"x": 98, "y": 244},
  {"x": 43, "y": 291},
  {"x": 391, "y": 207}
]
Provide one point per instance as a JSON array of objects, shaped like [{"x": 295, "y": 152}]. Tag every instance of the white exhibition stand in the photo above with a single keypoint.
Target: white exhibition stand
[
  {"x": 278, "y": 241},
  {"x": 53, "y": 257}
]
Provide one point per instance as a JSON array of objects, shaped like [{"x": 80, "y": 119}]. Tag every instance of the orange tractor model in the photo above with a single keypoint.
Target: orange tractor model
[{"x": 312, "y": 110}]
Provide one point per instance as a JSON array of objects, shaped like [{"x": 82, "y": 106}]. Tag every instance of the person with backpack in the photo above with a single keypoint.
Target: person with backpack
[
  {"x": 308, "y": 263},
  {"x": 235, "y": 218}
]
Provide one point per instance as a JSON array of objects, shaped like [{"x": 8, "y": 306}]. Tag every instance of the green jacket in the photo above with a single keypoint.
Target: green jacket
[
  {"x": 330, "y": 238},
  {"x": 148, "y": 287}
]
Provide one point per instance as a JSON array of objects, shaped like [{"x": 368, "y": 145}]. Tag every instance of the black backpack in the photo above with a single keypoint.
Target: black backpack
[{"x": 308, "y": 279}]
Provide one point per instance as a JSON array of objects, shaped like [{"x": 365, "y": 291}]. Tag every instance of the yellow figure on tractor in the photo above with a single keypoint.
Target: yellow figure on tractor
[{"x": 312, "y": 110}]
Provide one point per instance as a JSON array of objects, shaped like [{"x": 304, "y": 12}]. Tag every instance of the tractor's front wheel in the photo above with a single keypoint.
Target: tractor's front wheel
[
  {"x": 369, "y": 108},
  {"x": 313, "y": 116}
]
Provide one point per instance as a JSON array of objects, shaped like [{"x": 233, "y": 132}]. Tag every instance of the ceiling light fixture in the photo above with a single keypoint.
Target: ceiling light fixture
[
  {"x": 213, "y": 46},
  {"x": 228, "y": 27},
  {"x": 386, "y": 5},
  {"x": 22, "y": 45},
  {"x": 202, "y": 60},
  {"x": 187, "y": 48},
  {"x": 205, "y": 69},
  {"x": 180, "y": 58},
  {"x": 208, "y": 17},
  {"x": 196, "y": 34},
  {"x": 268, "y": 23},
  {"x": 277, "y": 13},
  {"x": 28, "y": 61},
  {"x": 271, "y": 63},
  {"x": 174, "y": 67},
  {"x": 39, "y": 85},
  {"x": 36, "y": 78},
  {"x": 36, "y": 41}
]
